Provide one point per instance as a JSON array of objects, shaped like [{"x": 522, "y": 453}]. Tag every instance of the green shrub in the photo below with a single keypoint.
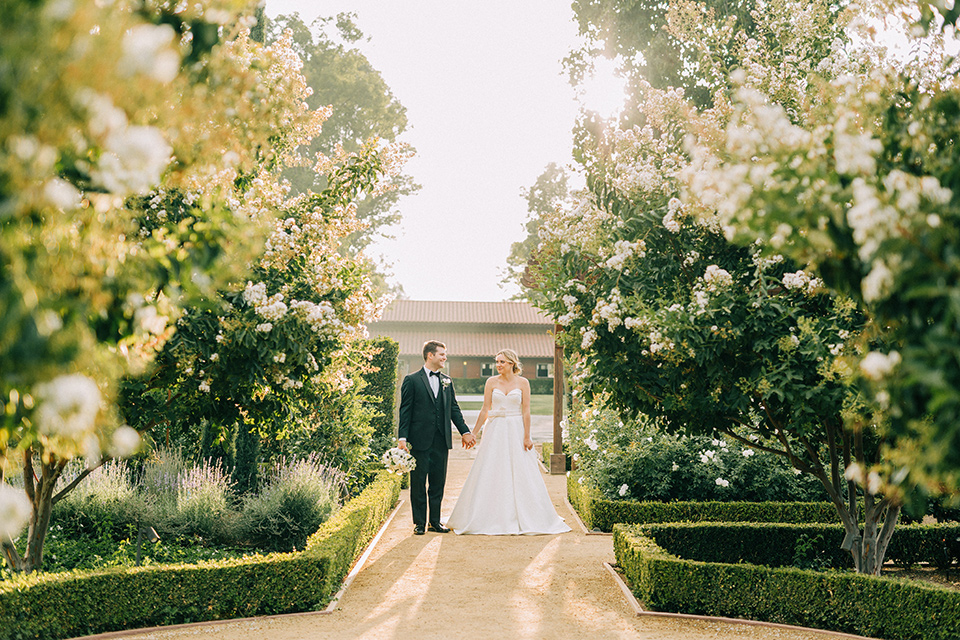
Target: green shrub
[
  {"x": 474, "y": 386},
  {"x": 203, "y": 501},
  {"x": 637, "y": 460},
  {"x": 298, "y": 497},
  {"x": 53, "y": 606},
  {"x": 602, "y": 514},
  {"x": 382, "y": 391},
  {"x": 840, "y": 601},
  {"x": 104, "y": 504}
]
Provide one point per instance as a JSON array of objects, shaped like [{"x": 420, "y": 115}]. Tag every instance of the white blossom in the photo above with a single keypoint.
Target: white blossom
[
  {"x": 148, "y": 50},
  {"x": 15, "y": 511},
  {"x": 68, "y": 406},
  {"x": 125, "y": 441},
  {"x": 748, "y": 452},
  {"x": 61, "y": 194},
  {"x": 133, "y": 160},
  {"x": 876, "y": 365},
  {"x": 722, "y": 483},
  {"x": 623, "y": 490}
]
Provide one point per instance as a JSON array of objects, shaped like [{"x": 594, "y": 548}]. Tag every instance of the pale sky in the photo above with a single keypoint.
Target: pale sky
[{"x": 488, "y": 108}]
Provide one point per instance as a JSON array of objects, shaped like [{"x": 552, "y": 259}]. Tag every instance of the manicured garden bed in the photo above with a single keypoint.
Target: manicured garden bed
[
  {"x": 674, "y": 576},
  {"x": 52, "y": 606}
]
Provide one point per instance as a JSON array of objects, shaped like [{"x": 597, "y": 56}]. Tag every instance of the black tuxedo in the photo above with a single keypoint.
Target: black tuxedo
[{"x": 425, "y": 422}]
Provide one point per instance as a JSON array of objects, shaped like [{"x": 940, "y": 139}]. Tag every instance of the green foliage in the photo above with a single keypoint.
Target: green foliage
[
  {"x": 603, "y": 514},
  {"x": 475, "y": 386},
  {"x": 634, "y": 460},
  {"x": 298, "y": 497},
  {"x": 364, "y": 107},
  {"x": 382, "y": 393},
  {"x": 840, "y": 601},
  {"x": 53, "y": 606}
]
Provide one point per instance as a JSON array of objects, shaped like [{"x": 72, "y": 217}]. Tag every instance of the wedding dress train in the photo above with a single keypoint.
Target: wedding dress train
[{"x": 504, "y": 493}]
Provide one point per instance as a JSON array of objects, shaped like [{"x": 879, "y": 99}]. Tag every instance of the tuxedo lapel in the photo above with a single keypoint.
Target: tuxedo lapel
[{"x": 426, "y": 384}]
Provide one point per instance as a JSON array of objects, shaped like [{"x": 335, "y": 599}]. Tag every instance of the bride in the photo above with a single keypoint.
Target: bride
[{"x": 504, "y": 493}]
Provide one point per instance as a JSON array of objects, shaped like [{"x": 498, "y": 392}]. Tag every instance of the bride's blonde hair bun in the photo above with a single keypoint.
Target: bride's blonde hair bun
[{"x": 511, "y": 356}]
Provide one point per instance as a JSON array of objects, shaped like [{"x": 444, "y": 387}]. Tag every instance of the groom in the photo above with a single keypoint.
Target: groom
[{"x": 427, "y": 407}]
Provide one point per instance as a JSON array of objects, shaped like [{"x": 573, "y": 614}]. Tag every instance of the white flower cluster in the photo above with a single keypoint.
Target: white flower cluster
[
  {"x": 68, "y": 406},
  {"x": 623, "y": 490},
  {"x": 148, "y": 50},
  {"x": 608, "y": 311},
  {"x": 398, "y": 461},
  {"x": 715, "y": 278},
  {"x": 876, "y": 365},
  {"x": 658, "y": 343},
  {"x": 623, "y": 250},
  {"x": 670, "y": 220},
  {"x": 321, "y": 317},
  {"x": 803, "y": 281},
  {"x": 134, "y": 157},
  {"x": 722, "y": 483},
  {"x": 15, "y": 511}
]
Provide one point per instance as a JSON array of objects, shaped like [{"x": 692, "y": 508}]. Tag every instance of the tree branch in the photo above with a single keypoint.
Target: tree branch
[{"x": 83, "y": 474}]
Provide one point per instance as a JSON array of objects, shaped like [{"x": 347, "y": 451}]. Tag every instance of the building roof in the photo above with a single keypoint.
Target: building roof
[
  {"x": 435, "y": 312},
  {"x": 470, "y": 344}
]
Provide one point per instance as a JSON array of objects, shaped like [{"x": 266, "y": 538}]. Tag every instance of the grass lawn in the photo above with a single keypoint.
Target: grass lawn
[{"x": 539, "y": 405}]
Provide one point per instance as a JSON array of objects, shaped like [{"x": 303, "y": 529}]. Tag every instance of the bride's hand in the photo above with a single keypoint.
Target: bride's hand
[{"x": 527, "y": 444}]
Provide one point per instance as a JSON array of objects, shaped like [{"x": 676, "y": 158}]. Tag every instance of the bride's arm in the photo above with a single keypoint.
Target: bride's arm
[
  {"x": 487, "y": 401},
  {"x": 525, "y": 410}
]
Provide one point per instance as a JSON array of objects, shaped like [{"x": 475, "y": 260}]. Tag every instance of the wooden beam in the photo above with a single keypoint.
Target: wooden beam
[{"x": 558, "y": 461}]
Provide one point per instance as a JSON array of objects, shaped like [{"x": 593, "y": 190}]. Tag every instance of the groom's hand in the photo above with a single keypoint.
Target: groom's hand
[{"x": 468, "y": 440}]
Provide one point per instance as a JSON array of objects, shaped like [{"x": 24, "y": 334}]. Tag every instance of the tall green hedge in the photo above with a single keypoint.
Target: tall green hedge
[
  {"x": 53, "y": 606},
  {"x": 474, "y": 386},
  {"x": 839, "y": 601},
  {"x": 602, "y": 514},
  {"x": 382, "y": 389}
]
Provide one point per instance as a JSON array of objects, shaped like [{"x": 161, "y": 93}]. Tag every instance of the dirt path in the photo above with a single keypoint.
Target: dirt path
[{"x": 446, "y": 586}]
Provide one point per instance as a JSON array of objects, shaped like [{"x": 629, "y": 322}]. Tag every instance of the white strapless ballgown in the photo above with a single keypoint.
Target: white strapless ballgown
[{"x": 504, "y": 493}]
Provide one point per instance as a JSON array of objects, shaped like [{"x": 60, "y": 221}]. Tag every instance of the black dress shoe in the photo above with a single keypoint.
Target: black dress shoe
[
  {"x": 439, "y": 528},
  {"x": 418, "y": 530}
]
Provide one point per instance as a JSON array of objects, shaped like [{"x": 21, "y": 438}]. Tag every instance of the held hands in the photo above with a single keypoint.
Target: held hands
[{"x": 468, "y": 440}]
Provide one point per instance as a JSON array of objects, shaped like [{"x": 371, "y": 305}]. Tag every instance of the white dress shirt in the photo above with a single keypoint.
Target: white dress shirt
[{"x": 433, "y": 380}]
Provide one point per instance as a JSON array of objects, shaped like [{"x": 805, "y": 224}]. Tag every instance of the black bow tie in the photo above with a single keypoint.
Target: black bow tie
[{"x": 435, "y": 373}]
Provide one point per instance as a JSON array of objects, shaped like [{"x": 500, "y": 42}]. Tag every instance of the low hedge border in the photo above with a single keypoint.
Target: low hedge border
[
  {"x": 65, "y": 605},
  {"x": 602, "y": 514},
  {"x": 776, "y": 544},
  {"x": 846, "y": 602}
]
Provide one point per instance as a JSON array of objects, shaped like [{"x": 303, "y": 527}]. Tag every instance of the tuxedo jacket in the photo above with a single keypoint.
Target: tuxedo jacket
[{"x": 418, "y": 411}]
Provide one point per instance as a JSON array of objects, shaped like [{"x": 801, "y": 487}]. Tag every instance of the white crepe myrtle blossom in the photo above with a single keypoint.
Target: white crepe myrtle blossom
[
  {"x": 61, "y": 194},
  {"x": 125, "y": 441},
  {"x": 623, "y": 490},
  {"x": 68, "y": 406},
  {"x": 133, "y": 159},
  {"x": 801, "y": 280},
  {"x": 15, "y": 511},
  {"x": 876, "y": 365},
  {"x": 148, "y": 49},
  {"x": 265, "y": 327},
  {"x": 716, "y": 278}
]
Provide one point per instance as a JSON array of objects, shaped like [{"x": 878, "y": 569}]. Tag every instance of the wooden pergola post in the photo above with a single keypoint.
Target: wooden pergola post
[{"x": 558, "y": 460}]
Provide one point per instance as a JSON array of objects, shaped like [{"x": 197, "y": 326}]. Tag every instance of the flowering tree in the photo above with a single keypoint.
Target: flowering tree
[
  {"x": 140, "y": 141},
  {"x": 671, "y": 320},
  {"x": 856, "y": 178}
]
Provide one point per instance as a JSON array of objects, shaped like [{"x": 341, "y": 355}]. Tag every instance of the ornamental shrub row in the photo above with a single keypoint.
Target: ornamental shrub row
[
  {"x": 53, "y": 606},
  {"x": 474, "y": 386},
  {"x": 382, "y": 393},
  {"x": 602, "y": 514},
  {"x": 839, "y": 601},
  {"x": 806, "y": 545}
]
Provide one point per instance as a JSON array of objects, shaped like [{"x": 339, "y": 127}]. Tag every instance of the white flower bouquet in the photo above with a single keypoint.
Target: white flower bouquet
[{"x": 398, "y": 461}]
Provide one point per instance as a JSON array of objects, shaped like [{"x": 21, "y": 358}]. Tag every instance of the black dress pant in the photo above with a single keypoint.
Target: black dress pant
[{"x": 431, "y": 469}]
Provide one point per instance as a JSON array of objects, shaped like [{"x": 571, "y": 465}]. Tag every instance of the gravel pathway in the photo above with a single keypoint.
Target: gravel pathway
[{"x": 436, "y": 587}]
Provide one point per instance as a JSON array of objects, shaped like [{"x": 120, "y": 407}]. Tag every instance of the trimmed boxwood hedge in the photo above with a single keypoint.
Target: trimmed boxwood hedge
[
  {"x": 474, "y": 386},
  {"x": 66, "y": 605},
  {"x": 382, "y": 391},
  {"x": 838, "y": 601},
  {"x": 602, "y": 514},
  {"x": 775, "y": 544}
]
